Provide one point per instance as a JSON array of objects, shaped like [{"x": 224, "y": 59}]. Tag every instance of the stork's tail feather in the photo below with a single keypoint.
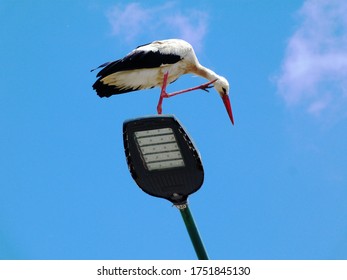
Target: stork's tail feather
[
  {"x": 103, "y": 90},
  {"x": 106, "y": 90},
  {"x": 101, "y": 66}
]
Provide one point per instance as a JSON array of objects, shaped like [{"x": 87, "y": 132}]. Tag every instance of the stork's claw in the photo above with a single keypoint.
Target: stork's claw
[{"x": 205, "y": 88}]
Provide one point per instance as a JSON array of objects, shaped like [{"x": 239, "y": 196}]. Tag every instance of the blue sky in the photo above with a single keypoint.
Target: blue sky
[{"x": 275, "y": 183}]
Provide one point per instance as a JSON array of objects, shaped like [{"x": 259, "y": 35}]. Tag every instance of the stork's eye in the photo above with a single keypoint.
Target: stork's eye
[{"x": 224, "y": 90}]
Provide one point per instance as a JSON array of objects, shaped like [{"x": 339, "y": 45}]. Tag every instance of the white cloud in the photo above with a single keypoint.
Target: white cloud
[
  {"x": 134, "y": 22},
  {"x": 314, "y": 70},
  {"x": 128, "y": 21}
]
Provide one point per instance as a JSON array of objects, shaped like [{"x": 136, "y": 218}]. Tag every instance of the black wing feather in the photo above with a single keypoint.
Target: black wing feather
[{"x": 139, "y": 60}]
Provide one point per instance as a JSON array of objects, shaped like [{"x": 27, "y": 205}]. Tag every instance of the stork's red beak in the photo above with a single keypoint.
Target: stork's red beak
[{"x": 227, "y": 105}]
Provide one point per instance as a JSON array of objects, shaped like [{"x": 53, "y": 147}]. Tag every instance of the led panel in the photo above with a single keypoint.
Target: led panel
[{"x": 159, "y": 149}]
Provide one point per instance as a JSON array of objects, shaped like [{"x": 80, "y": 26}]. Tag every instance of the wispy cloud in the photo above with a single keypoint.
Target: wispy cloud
[
  {"x": 314, "y": 70},
  {"x": 135, "y": 22}
]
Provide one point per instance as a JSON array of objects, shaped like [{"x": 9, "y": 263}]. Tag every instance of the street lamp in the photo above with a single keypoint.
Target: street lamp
[{"x": 164, "y": 163}]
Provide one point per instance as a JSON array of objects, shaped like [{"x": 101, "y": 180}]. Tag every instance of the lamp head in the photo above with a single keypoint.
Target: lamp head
[{"x": 162, "y": 158}]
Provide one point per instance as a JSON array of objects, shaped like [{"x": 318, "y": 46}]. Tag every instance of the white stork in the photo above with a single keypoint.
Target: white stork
[{"x": 155, "y": 65}]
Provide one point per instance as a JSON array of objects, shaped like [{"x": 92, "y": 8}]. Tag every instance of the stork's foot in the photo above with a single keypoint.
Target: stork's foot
[
  {"x": 159, "y": 108},
  {"x": 163, "y": 95},
  {"x": 207, "y": 86}
]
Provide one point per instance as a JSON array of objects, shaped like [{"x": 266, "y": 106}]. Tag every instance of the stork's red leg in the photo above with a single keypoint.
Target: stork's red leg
[
  {"x": 204, "y": 87},
  {"x": 163, "y": 94}
]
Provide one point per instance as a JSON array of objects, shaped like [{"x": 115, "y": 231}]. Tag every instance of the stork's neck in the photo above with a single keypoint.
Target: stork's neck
[{"x": 206, "y": 73}]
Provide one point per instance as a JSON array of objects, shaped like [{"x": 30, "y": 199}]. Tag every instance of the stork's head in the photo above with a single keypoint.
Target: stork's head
[{"x": 222, "y": 86}]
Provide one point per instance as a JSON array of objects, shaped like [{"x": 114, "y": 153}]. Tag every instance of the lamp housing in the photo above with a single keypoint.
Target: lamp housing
[{"x": 162, "y": 158}]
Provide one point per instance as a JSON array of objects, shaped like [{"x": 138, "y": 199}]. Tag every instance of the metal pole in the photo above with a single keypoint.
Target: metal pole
[{"x": 193, "y": 231}]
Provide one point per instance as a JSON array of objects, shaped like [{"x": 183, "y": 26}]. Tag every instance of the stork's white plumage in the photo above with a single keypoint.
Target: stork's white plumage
[{"x": 156, "y": 65}]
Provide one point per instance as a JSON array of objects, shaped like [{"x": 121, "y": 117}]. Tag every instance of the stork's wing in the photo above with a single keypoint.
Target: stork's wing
[
  {"x": 139, "y": 59},
  {"x": 136, "y": 60}
]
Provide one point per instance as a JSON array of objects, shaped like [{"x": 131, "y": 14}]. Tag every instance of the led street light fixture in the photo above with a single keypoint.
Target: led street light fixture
[{"x": 162, "y": 158}]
